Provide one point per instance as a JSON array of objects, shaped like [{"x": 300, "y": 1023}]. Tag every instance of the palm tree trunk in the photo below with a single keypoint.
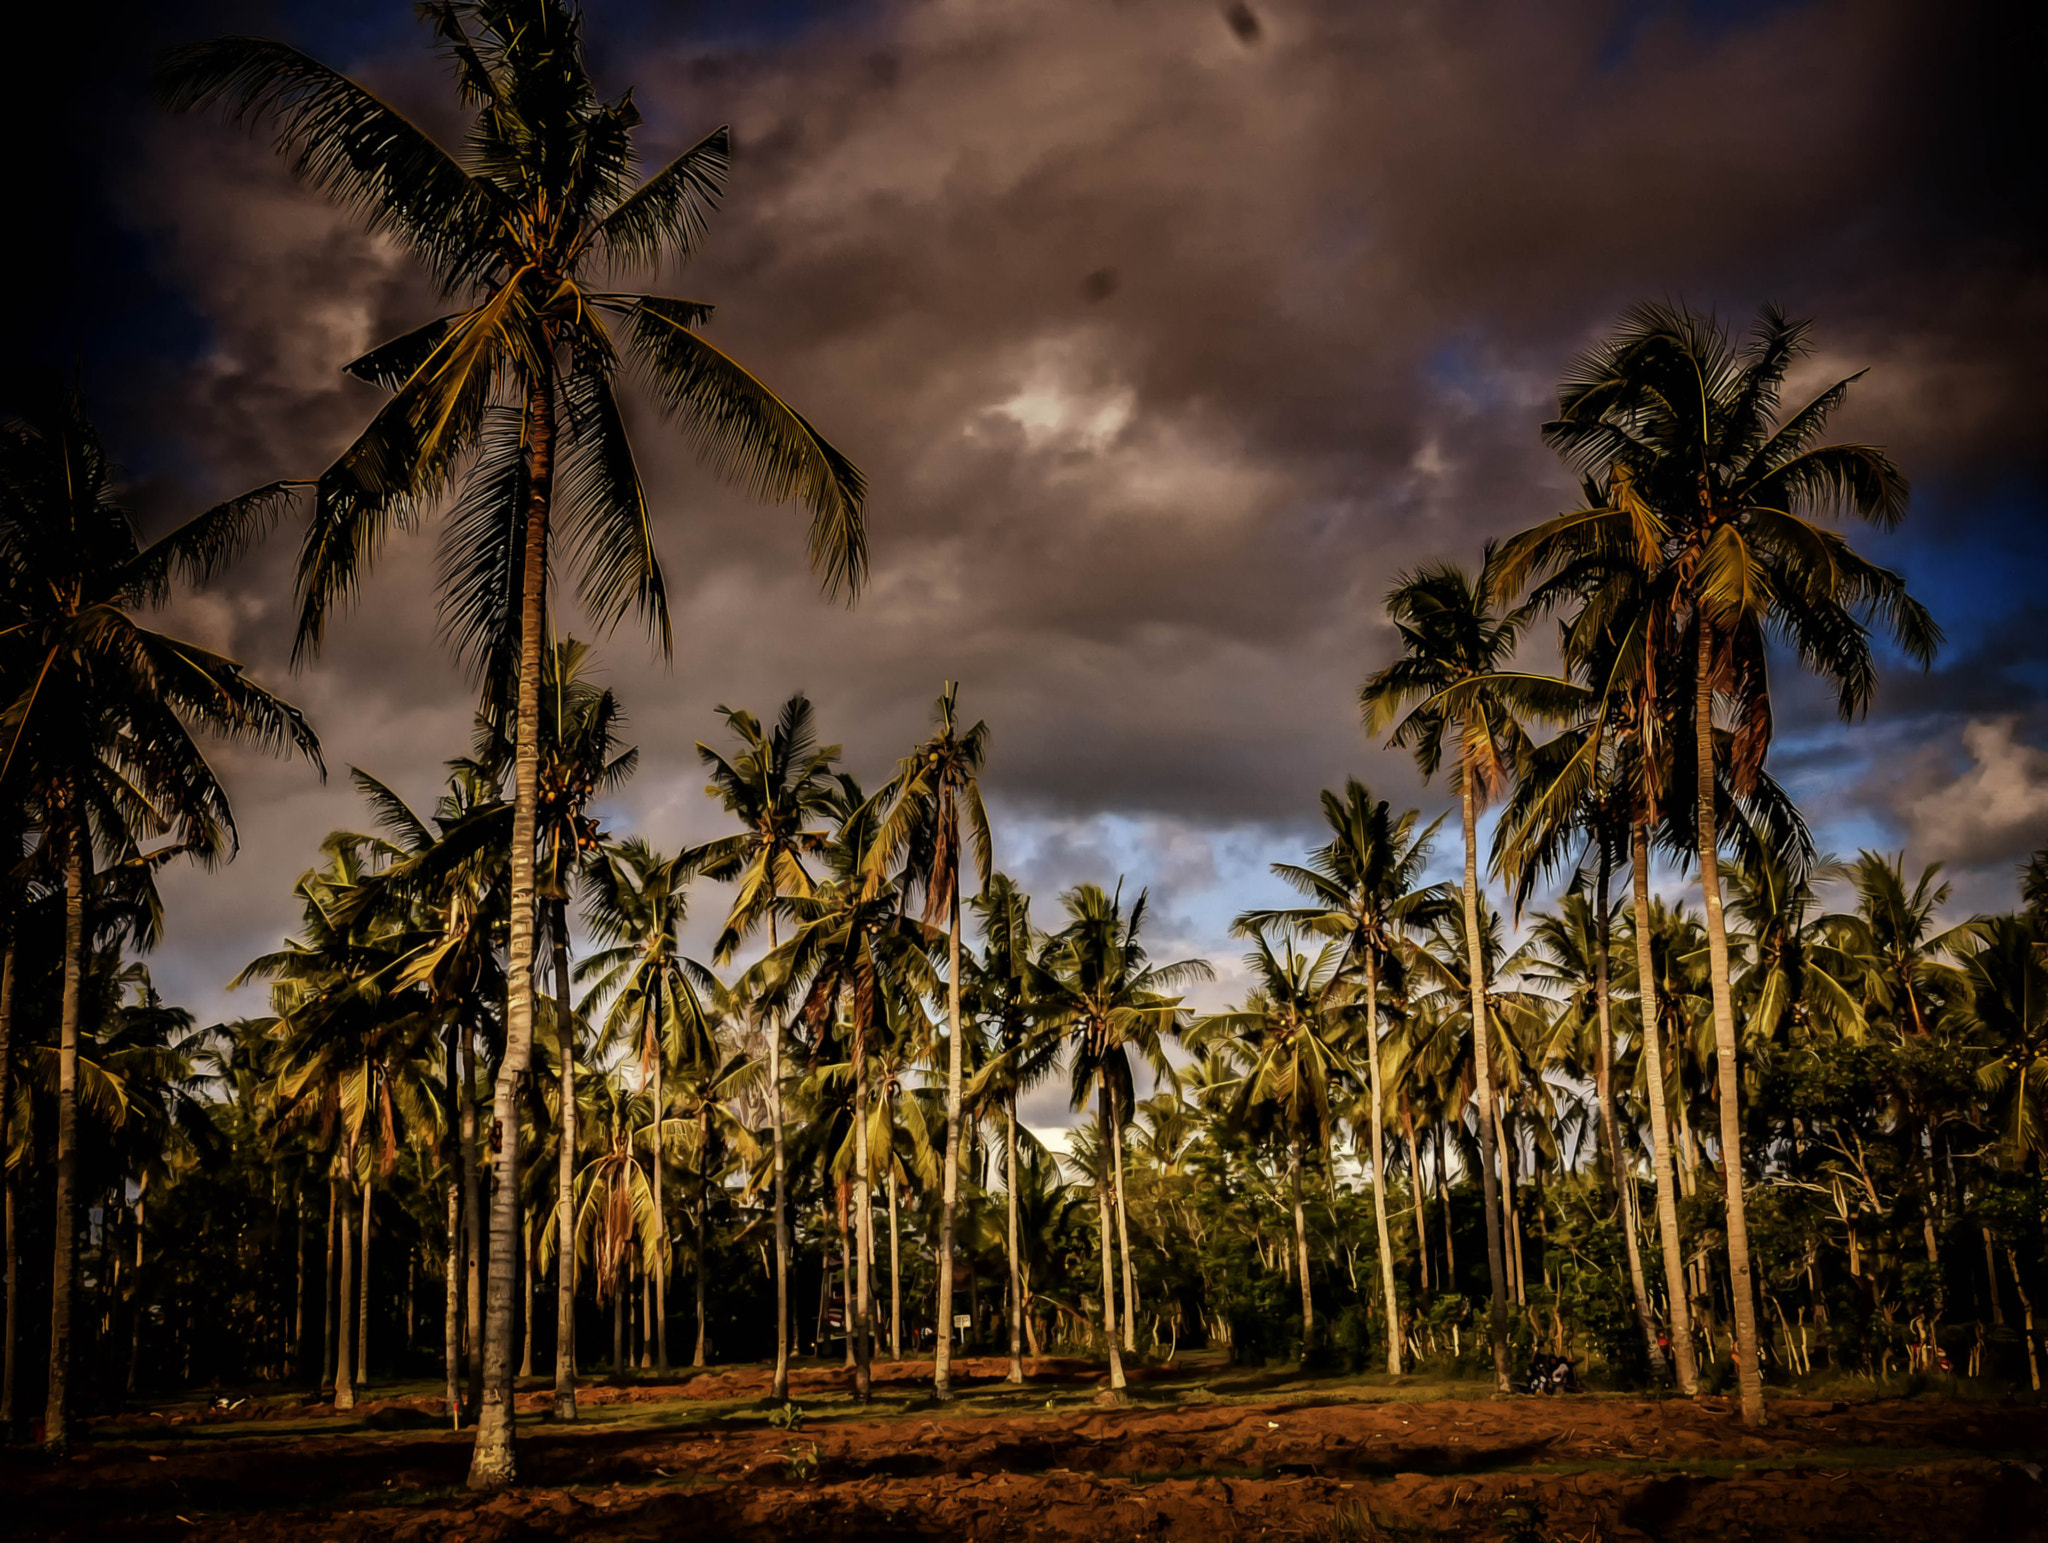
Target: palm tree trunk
[
  {"x": 13, "y": 1329},
  {"x": 655, "y": 1165},
  {"x": 344, "y": 1349},
  {"x": 363, "y": 1294},
  {"x": 895, "y": 1279},
  {"x": 13, "y": 1242},
  {"x": 1475, "y": 964},
  {"x": 1379, "y": 1162},
  {"x": 779, "y": 1389},
  {"x": 949, "y": 1184},
  {"x": 1443, "y": 1199},
  {"x": 451, "y": 1318},
  {"x": 1016, "y": 1276},
  {"x": 298, "y": 1361},
  {"x": 1123, "y": 1226},
  {"x": 863, "y": 1225},
  {"x": 63, "y": 1284},
  {"x": 620, "y": 1286},
  {"x": 846, "y": 1273},
  {"x": 1749, "y": 1373},
  {"x": 697, "y": 1355},
  {"x": 565, "y": 1179},
  {"x": 1116, "y": 1362},
  {"x": 529, "y": 1270},
  {"x": 494, "y": 1464},
  {"x": 1610, "y": 1123},
  {"x": 1308, "y": 1302},
  {"x": 472, "y": 1229},
  {"x": 1648, "y": 1011},
  {"x": 1415, "y": 1188},
  {"x": 1510, "y": 1242}
]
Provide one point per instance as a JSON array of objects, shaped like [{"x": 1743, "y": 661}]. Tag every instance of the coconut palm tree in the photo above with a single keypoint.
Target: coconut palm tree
[
  {"x": 1287, "y": 1043},
  {"x": 1020, "y": 1057},
  {"x": 1098, "y": 987},
  {"x": 779, "y": 788},
  {"x": 1716, "y": 493},
  {"x": 1364, "y": 887},
  {"x": 1453, "y": 682},
  {"x": 519, "y": 386},
  {"x": 97, "y": 723},
  {"x": 663, "y": 1006},
  {"x": 935, "y": 785}
]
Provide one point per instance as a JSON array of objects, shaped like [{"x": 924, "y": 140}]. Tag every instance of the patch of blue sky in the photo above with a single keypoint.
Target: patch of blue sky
[{"x": 1707, "y": 19}]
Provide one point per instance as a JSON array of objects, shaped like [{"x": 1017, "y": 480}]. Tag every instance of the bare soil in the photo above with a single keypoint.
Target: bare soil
[{"x": 695, "y": 1457}]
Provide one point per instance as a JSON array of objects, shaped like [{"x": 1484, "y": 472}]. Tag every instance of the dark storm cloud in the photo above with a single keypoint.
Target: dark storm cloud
[{"x": 1165, "y": 342}]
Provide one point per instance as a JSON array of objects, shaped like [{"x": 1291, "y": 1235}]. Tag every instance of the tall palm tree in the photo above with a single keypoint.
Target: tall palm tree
[
  {"x": 2006, "y": 1010},
  {"x": 520, "y": 385},
  {"x": 663, "y": 1005},
  {"x": 1286, "y": 1042},
  {"x": 96, "y": 727},
  {"x": 1722, "y": 492},
  {"x": 1365, "y": 889},
  {"x": 1020, "y": 1057},
  {"x": 935, "y": 784},
  {"x": 778, "y": 788},
  {"x": 1097, "y": 986},
  {"x": 580, "y": 758},
  {"x": 1454, "y": 681}
]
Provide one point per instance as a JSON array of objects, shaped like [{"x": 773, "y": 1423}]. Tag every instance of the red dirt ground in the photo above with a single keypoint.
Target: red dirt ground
[{"x": 1338, "y": 1466}]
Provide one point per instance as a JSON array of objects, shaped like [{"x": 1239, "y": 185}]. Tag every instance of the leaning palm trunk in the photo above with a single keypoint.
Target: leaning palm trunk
[
  {"x": 779, "y": 1388},
  {"x": 344, "y": 1357},
  {"x": 1749, "y": 1374},
  {"x": 1610, "y": 1124},
  {"x": 1308, "y": 1301},
  {"x": 949, "y": 1187},
  {"x": 1415, "y": 1187},
  {"x": 494, "y": 1463},
  {"x": 57, "y": 1412},
  {"x": 1475, "y": 963},
  {"x": 1379, "y": 1163},
  {"x": 1686, "y": 1367},
  {"x": 565, "y": 1180},
  {"x": 1016, "y": 1276},
  {"x": 1116, "y": 1362},
  {"x": 863, "y": 1232}
]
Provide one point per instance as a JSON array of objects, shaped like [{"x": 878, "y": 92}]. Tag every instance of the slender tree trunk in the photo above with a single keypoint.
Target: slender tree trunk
[
  {"x": 13, "y": 1240},
  {"x": 846, "y": 1272},
  {"x": 494, "y": 1463},
  {"x": 1016, "y": 1275},
  {"x": 363, "y": 1294},
  {"x": 1308, "y": 1302},
  {"x": 529, "y": 1269},
  {"x": 344, "y": 1352},
  {"x": 949, "y": 1184},
  {"x": 1510, "y": 1233},
  {"x": 1415, "y": 1190},
  {"x": 1475, "y": 964},
  {"x": 655, "y": 1165},
  {"x": 1379, "y": 1162},
  {"x": 620, "y": 1286},
  {"x": 1443, "y": 1196},
  {"x": 453, "y": 1273},
  {"x": 863, "y": 1226},
  {"x": 472, "y": 1230},
  {"x": 2012, "y": 1260},
  {"x": 698, "y": 1355},
  {"x": 1990, "y": 1275},
  {"x": 1109, "y": 1336},
  {"x": 1649, "y": 1011},
  {"x": 1610, "y": 1123},
  {"x": 298, "y": 1361},
  {"x": 63, "y": 1284},
  {"x": 1749, "y": 1374},
  {"x": 895, "y": 1279},
  {"x": 779, "y": 1389},
  {"x": 1123, "y": 1225},
  {"x": 565, "y": 1178},
  {"x": 13, "y": 1329}
]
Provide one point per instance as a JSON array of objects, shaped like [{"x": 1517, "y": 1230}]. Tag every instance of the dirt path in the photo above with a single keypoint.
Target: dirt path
[{"x": 1519, "y": 1470}]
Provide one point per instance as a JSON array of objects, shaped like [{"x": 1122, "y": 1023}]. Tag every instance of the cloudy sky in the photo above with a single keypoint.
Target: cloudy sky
[{"x": 1167, "y": 334}]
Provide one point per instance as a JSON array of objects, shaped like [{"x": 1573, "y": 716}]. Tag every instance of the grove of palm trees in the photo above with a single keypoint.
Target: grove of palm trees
[{"x": 1563, "y": 1142}]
